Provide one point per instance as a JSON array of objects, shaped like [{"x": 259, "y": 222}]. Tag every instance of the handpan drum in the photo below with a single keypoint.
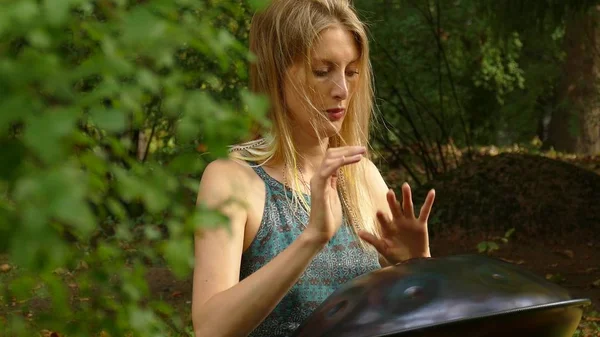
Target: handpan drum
[{"x": 461, "y": 295}]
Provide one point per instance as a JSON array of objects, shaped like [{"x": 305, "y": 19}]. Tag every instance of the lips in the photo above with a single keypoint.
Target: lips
[{"x": 336, "y": 114}]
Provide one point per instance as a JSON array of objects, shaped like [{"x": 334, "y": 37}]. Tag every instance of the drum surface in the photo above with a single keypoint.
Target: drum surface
[{"x": 462, "y": 295}]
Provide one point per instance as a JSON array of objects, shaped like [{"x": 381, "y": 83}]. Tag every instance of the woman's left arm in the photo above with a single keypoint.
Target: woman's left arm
[{"x": 404, "y": 236}]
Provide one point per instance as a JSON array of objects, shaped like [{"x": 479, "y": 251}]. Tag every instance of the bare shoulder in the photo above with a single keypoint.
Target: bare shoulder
[
  {"x": 223, "y": 179},
  {"x": 226, "y": 165}
]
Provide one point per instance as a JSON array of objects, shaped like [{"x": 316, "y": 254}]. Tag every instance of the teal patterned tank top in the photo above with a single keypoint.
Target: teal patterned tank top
[{"x": 341, "y": 260}]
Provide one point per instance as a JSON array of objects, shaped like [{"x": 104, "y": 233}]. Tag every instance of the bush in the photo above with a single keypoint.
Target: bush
[{"x": 103, "y": 108}]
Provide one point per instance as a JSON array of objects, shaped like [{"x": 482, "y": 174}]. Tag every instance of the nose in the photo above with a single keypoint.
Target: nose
[{"x": 339, "y": 89}]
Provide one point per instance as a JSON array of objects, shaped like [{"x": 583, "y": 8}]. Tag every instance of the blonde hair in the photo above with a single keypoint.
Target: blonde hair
[{"x": 280, "y": 36}]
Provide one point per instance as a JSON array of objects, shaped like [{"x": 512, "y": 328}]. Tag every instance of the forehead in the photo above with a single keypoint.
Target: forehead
[{"x": 336, "y": 45}]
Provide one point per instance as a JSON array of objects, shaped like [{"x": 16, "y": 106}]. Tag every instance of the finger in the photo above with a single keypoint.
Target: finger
[
  {"x": 427, "y": 205},
  {"x": 407, "y": 204},
  {"x": 394, "y": 204},
  {"x": 333, "y": 164},
  {"x": 345, "y": 150},
  {"x": 379, "y": 245},
  {"x": 387, "y": 229}
]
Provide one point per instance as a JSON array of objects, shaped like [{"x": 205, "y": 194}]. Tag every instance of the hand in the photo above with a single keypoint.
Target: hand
[
  {"x": 403, "y": 237},
  {"x": 326, "y": 209}
]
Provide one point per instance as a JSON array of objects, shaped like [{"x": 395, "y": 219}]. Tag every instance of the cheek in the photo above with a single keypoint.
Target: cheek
[
  {"x": 303, "y": 98},
  {"x": 318, "y": 92},
  {"x": 295, "y": 102},
  {"x": 352, "y": 87}
]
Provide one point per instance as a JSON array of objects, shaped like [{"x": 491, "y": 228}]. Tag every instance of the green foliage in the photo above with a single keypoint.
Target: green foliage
[
  {"x": 590, "y": 323},
  {"x": 103, "y": 105},
  {"x": 500, "y": 71},
  {"x": 492, "y": 245},
  {"x": 509, "y": 15},
  {"x": 446, "y": 77}
]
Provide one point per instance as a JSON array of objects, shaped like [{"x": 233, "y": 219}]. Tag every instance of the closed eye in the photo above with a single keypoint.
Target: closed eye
[{"x": 352, "y": 73}]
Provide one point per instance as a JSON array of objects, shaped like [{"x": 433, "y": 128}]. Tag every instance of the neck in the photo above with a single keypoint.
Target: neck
[{"x": 311, "y": 152}]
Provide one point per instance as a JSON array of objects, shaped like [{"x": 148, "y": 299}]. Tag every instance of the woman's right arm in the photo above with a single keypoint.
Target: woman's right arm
[{"x": 223, "y": 306}]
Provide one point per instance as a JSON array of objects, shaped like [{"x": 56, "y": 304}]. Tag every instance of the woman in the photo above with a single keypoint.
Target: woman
[{"x": 314, "y": 211}]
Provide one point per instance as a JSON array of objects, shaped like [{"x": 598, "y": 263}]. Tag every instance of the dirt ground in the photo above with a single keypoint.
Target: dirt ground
[{"x": 573, "y": 262}]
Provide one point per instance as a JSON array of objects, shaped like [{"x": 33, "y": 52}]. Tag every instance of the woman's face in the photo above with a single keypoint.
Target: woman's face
[{"x": 328, "y": 82}]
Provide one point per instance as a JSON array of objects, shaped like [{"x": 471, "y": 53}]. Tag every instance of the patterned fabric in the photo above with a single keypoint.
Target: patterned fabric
[{"x": 340, "y": 261}]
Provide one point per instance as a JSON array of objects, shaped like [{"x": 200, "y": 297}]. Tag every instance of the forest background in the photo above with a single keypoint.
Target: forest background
[{"x": 111, "y": 109}]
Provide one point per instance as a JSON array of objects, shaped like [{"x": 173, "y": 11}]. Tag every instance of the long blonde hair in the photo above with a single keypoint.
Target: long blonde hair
[{"x": 280, "y": 36}]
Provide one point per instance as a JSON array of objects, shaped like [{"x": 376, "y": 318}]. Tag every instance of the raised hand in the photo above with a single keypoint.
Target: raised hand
[
  {"x": 403, "y": 236},
  {"x": 326, "y": 208}
]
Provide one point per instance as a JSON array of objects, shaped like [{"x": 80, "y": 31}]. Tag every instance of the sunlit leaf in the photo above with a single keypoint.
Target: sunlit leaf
[
  {"x": 56, "y": 11},
  {"x": 258, "y": 5},
  {"x": 25, "y": 11},
  {"x": 39, "y": 38}
]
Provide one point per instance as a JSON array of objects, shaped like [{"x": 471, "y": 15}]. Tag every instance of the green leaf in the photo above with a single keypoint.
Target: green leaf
[
  {"x": 56, "y": 11},
  {"x": 45, "y": 133},
  {"x": 131, "y": 291},
  {"x": 141, "y": 320},
  {"x": 123, "y": 232},
  {"x": 148, "y": 80},
  {"x": 14, "y": 108},
  {"x": 204, "y": 218},
  {"x": 58, "y": 193},
  {"x": 152, "y": 233},
  {"x": 155, "y": 199},
  {"x": 108, "y": 252},
  {"x": 60, "y": 298},
  {"x": 111, "y": 120},
  {"x": 187, "y": 130},
  {"x": 4, "y": 24},
  {"x": 12, "y": 154},
  {"x": 257, "y": 104},
  {"x": 179, "y": 255},
  {"x": 128, "y": 186},
  {"x": 22, "y": 286},
  {"x": 509, "y": 233},
  {"x": 8, "y": 220},
  {"x": 116, "y": 208},
  {"x": 25, "y": 11},
  {"x": 39, "y": 38},
  {"x": 187, "y": 163},
  {"x": 142, "y": 27}
]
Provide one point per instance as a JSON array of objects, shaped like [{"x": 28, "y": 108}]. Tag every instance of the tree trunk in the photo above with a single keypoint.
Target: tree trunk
[{"x": 575, "y": 123}]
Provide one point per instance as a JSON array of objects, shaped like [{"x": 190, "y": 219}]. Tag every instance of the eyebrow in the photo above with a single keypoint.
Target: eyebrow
[{"x": 331, "y": 63}]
